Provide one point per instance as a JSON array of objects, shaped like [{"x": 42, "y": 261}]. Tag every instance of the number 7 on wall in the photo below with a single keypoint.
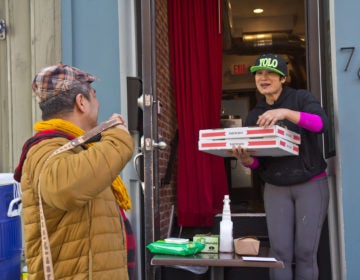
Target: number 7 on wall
[{"x": 350, "y": 57}]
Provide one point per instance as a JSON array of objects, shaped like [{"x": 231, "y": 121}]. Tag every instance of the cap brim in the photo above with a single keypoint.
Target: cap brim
[{"x": 256, "y": 68}]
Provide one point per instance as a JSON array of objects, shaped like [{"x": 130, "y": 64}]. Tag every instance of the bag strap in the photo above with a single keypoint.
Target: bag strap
[{"x": 45, "y": 243}]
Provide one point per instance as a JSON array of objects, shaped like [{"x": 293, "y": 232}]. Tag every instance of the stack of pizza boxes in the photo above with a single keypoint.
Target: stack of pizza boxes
[{"x": 273, "y": 141}]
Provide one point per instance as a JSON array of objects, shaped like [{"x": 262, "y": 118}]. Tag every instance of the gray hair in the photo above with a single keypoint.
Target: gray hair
[{"x": 64, "y": 102}]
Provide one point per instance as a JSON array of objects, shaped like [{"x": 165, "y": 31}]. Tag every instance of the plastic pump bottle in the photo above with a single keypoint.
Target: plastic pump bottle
[{"x": 226, "y": 228}]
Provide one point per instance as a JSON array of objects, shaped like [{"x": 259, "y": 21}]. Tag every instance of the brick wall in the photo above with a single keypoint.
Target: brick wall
[{"x": 167, "y": 123}]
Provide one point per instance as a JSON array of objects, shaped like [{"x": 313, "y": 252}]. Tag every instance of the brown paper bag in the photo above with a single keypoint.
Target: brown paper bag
[{"x": 247, "y": 245}]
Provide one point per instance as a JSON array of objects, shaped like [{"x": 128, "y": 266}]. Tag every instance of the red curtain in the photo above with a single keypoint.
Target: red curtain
[{"x": 196, "y": 67}]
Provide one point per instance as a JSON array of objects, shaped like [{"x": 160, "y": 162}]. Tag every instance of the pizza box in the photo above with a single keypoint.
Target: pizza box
[
  {"x": 250, "y": 132},
  {"x": 267, "y": 146}
]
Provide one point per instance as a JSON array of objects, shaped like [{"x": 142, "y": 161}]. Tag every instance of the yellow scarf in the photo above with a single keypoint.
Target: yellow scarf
[{"x": 118, "y": 186}]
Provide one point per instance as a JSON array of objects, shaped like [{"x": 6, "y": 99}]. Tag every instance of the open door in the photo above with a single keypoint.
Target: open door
[{"x": 150, "y": 142}]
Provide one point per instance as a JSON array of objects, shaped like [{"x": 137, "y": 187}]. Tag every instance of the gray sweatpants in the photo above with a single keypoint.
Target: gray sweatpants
[{"x": 295, "y": 215}]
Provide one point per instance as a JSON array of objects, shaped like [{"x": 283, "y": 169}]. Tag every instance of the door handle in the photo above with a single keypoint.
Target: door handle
[
  {"x": 147, "y": 144},
  {"x": 160, "y": 145},
  {"x": 150, "y": 144},
  {"x": 140, "y": 176}
]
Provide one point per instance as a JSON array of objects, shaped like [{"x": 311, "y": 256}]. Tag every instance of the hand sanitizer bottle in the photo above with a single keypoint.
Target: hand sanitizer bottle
[{"x": 226, "y": 228}]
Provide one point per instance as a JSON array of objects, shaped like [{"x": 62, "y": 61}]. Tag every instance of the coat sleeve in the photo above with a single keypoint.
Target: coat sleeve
[{"x": 72, "y": 178}]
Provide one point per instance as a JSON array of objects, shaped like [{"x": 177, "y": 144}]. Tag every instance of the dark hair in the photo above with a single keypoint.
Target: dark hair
[{"x": 64, "y": 102}]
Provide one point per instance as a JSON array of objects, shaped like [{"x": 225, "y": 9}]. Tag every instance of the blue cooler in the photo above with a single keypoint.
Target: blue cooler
[{"x": 10, "y": 228}]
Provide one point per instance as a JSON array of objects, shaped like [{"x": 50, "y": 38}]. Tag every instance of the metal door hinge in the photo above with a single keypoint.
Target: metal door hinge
[{"x": 2, "y": 29}]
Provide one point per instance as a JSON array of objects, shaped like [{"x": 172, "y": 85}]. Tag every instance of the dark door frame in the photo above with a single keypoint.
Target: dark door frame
[
  {"x": 150, "y": 131},
  {"x": 313, "y": 47}
]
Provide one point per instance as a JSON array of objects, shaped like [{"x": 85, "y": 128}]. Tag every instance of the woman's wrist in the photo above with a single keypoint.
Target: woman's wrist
[
  {"x": 254, "y": 164},
  {"x": 247, "y": 160}
]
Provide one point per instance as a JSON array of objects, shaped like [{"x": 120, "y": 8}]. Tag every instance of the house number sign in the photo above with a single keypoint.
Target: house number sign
[{"x": 352, "y": 50}]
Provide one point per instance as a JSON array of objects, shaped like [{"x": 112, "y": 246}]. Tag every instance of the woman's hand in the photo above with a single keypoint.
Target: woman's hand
[
  {"x": 242, "y": 154},
  {"x": 271, "y": 117}
]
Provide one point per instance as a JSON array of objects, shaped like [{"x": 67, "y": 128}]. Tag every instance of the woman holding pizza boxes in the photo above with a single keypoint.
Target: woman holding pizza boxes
[{"x": 296, "y": 194}]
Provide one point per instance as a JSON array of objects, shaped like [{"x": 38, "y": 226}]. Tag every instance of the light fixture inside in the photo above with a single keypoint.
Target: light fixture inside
[
  {"x": 254, "y": 37},
  {"x": 258, "y": 11}
]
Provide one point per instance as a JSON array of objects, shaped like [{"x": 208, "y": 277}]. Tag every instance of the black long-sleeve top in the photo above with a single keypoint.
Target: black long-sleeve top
[{"x": 289, "y": 170}]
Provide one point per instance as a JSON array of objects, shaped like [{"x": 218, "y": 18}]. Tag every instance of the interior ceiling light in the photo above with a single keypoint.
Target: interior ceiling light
[
  {"x": 258, "y": 11},
  {"x": 253, "y": 37}
]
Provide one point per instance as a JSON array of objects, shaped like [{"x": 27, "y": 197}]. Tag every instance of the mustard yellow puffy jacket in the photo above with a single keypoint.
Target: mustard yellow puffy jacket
[{"x": 87, "y": 236}]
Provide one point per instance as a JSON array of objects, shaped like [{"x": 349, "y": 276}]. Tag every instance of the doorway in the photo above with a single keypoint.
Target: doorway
[{"x": 251, "y": 28}]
